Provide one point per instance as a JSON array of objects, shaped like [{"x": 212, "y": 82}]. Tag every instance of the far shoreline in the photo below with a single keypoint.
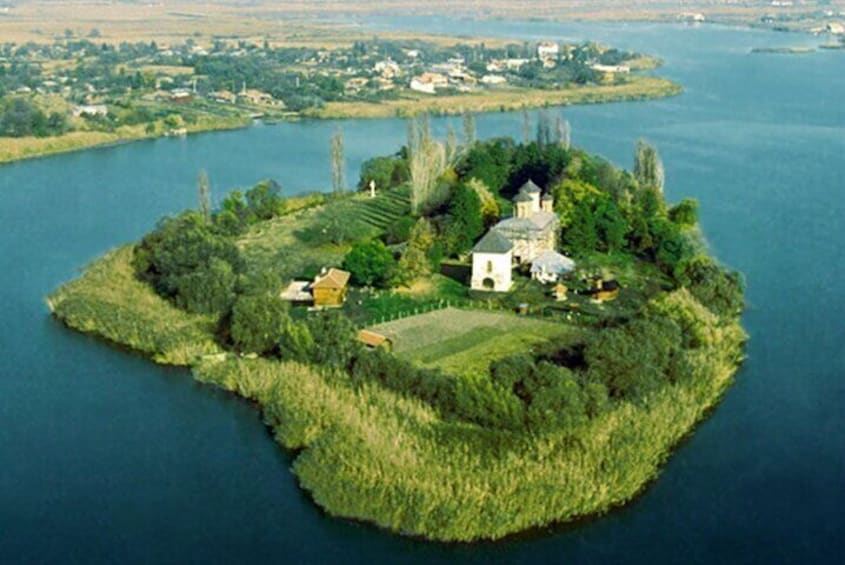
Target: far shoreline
[{"x": 642, "y": 88}]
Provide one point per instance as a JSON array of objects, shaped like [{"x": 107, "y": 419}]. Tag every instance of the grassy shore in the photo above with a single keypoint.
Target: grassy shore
[
  {"x": 506, "y": 99},
  {"x": 370, "y": 454},
  {"x": 19, "y": 148}
]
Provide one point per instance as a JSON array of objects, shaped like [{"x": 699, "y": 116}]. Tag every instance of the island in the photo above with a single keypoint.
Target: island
[
  {"x": 484, "y": 338},
  {"x": 82, "y": 91}
]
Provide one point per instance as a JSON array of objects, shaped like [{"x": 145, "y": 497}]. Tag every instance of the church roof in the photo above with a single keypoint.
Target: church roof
[
  {"x": 537, "y": 222},
  {"x": 493, "y": 242},
  {"x": 522, "y": 197},
  {"x": 530, "y": 188},
  {"x": 547, "y": 197}
]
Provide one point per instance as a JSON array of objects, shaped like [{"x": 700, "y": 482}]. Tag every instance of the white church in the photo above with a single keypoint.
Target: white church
[{"x": 529, "y": 236}]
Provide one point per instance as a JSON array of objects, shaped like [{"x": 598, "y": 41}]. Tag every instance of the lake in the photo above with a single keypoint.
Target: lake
[{"x": 106, "y": 457}]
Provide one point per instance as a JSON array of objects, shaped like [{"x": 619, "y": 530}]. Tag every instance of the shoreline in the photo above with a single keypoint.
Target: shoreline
[{"x": 642, "y": 88}]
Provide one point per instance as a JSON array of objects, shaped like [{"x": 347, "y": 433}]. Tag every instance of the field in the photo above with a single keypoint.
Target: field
[
  {"x": 464, "y": 342},
  {"x": 313, "y": 24}
]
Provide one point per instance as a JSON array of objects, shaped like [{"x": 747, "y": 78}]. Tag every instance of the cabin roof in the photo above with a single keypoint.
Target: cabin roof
[
  {"x": 371, "y": 338},
  {"x": 334, "y": 278}
]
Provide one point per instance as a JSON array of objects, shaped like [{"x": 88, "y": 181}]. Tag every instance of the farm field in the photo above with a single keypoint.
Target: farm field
[{"x": 464, "y": 342}]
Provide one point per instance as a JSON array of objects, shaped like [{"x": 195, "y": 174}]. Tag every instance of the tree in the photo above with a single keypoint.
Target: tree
[
  {"x": 264, "y": 201},
  {"x": 385, "y": 172},
  {"x": 204, "y": 196},
  {"x": 416, "y": 260},
  {"x": 611, "y": 225},
  {"x": 489, "y": 206},
  {"x": 685, "y": 213},
  {"x": 564, "y": 132},
  {"x": 208, "y": 289},
  {"x": 581, "y": 236},
  {"x": 648, "y": 168},
  {"x": 427, "y": 162},
  {"x": 335, "y": 343},
  {"x": 526, "y": 126},
  {"x": 338, "y": 161},
  {"x": 544, "y": 128},
  {"x": 465, "y": 221},
  {"x": 470, "y": 135},
  {"x": 258, "y": 321},
  {"x": 568, "y": 194},
  {"x": 371, "y": 263}
]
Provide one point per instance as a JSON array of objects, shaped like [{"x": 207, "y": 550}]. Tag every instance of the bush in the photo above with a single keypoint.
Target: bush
[
  {"x": 371, "y": 263},
  {"x": 258, "y": 322}
]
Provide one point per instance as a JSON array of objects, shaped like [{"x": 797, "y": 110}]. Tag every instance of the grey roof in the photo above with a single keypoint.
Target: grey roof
[
  {"x": 547, "y": 197},
  {"x": 537, "y": 222},
  {"x": 529, "y": 187},
  {"x": 522, "y": 197},
  {"x": 493, "y": 242},
  {"x": 552, "y": 262}
]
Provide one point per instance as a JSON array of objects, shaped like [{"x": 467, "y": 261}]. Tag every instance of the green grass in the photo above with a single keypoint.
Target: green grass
[
  {"x": 464, "y": 342},
  {"x": 384, "y": 209},
  {"x": 110, "y": 302},
  {"x": 368, "y": 453}
]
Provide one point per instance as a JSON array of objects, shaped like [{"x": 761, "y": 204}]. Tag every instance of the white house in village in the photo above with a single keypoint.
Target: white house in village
[
  {"x": 548, "y": 50},
  {"x": 529, "y": 236}
]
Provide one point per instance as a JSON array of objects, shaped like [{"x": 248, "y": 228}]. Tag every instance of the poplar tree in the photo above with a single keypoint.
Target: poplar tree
[
  {"x": 338, "y": 162},
  {"x": 470, "y": 136},
  {"x": 648, "y": 167},
  {"x": 204, "y": 195}
]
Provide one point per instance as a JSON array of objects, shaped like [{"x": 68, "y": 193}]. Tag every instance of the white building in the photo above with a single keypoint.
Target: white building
[
  {"x": 493, "y": 80},
  {"x": 531, "y": 232},
  {"x": 90, "y": 110},
  {"x": 548, "y": 50},
  {"x": 492, "y": 263},
  {"x": 550, "y": 265}
]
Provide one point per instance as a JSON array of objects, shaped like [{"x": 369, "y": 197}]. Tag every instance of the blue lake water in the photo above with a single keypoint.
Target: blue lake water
[{"x": 106, "y": 457}]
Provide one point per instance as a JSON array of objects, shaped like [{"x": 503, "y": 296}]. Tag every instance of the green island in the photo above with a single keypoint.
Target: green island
[
  {"x": 79, "y": 92},
  {"x": 485, "y": 337}
]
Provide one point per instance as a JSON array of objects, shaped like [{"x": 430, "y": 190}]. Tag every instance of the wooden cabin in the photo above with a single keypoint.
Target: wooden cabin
[{"x": 329, "y": 288}]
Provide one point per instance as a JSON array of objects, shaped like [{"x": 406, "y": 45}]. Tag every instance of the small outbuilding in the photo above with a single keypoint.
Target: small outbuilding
[
  {"x": 373, "y": 340},
  {"x": 550, "y": 265},
  {"x": 329, "y": 288}
]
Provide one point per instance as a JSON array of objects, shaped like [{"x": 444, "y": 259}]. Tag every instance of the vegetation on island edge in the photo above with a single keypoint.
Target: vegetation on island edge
[{"x": 459, "y": 413}]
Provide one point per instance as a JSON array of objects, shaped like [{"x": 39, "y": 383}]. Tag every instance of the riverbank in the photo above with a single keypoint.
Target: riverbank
[
  {"x": 20, "y": 148},
  {"x": 638, "y": 88}
]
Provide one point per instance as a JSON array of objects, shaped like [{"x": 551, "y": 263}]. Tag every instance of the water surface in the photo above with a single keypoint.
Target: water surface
[{"x": 106, "y": 457}]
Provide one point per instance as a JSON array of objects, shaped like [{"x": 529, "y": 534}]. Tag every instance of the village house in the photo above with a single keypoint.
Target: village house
[
  {"x": 493, "y": 80},
  {"x": 90, "y": 111},
  {"x": 429, "y": 82},
  {"x": 387, "y": 69},
  {"x": 548, "y": 50}
]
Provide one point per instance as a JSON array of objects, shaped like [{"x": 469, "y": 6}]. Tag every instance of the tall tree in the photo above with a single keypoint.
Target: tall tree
[
  {"x": 544, "y": 128},
  {"x": 204, "y": 195},
  {"x": 564, "y": 132},
  {"x": 648, "y": 167},
  {"x": 526, "y": 126},
  {"x": 470, "y": 135},
  {"x": 451, "y": 145},
  {"x": 465, "y": 220},
  {"x": 338, "y": 161},
  {"x": 426, "y": 163}
]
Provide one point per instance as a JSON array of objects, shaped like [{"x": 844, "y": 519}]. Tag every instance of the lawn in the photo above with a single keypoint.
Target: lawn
[{"x": 464, "y": 342}]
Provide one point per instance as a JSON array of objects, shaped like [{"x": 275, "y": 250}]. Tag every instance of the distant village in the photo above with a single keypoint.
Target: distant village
[{"x": 86, "y": 85}]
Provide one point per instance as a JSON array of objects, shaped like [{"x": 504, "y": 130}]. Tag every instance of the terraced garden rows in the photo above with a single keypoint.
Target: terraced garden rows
[{"x": 384, "y": 209}]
